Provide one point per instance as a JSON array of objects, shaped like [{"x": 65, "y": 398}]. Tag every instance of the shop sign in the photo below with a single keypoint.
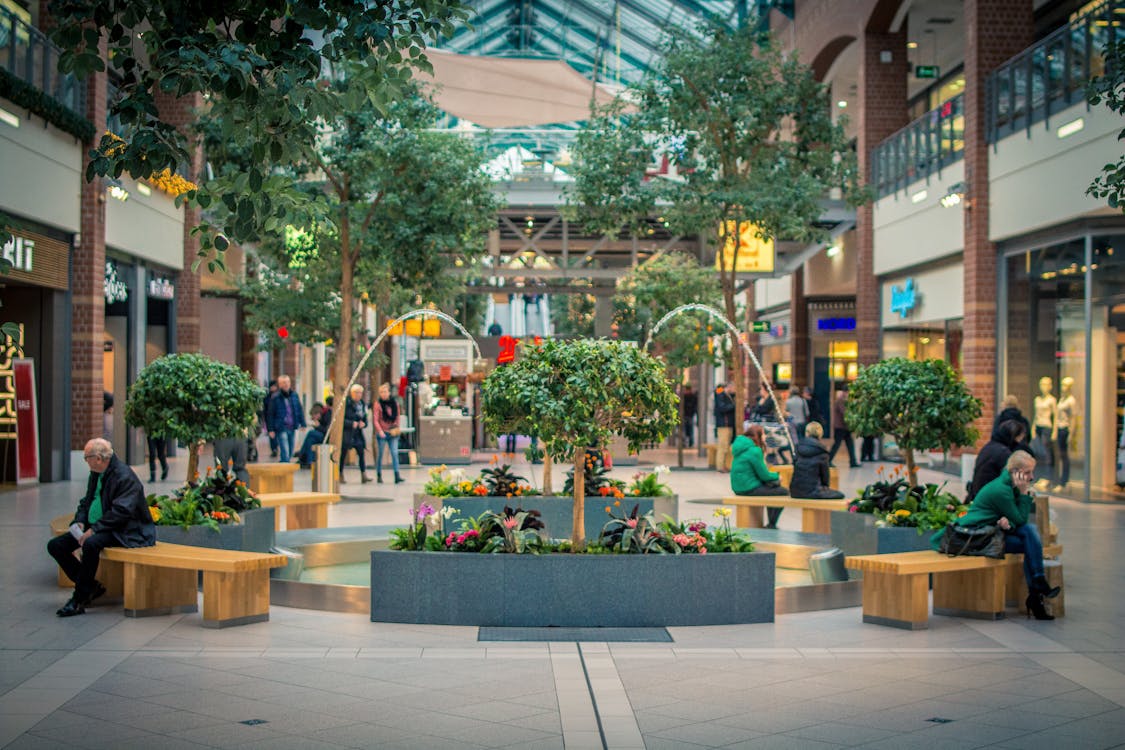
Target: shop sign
[
  {"x": 903, "y": 300},
  {"x": 779, "y": 330},
  {"x": 754, "y": 255},
  {"x": 116, "y": 290},
  {"x": 27, "y": 438},
  {"x": 161, "y": 288},
  {"x": 20, "y": 252},
  {"x": 835, "y": 324}
]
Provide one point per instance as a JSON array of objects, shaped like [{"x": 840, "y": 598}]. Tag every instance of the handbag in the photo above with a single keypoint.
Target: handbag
[
  {"x": 394, "y": 431},
  {"x": 977, "y": 541}
]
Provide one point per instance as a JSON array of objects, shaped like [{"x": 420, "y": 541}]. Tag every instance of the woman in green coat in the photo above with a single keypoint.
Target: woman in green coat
[
  {"x": 1006, "y": 502},
  {"x": 749, "y": 474}
]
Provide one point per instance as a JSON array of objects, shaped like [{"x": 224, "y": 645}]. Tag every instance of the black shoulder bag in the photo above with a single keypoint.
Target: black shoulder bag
[{"x": 976, "y": 541}]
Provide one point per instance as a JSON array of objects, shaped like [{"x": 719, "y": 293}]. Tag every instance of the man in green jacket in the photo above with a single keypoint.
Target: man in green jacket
[{"x": 1007, "y": 502}]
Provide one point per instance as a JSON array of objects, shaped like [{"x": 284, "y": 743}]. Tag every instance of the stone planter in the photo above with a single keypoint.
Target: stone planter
[
  {"x": 254, "y": 534},
  {"x": 451, "y": 588},
  {"x": 857, "y": 534},
  {"x": 557, "y": 511}
]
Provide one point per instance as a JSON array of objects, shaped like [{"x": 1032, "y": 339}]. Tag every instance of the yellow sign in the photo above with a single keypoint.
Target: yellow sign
[
  {"x": 755, "y": 255},
  {"x": 416, "y": 327}
]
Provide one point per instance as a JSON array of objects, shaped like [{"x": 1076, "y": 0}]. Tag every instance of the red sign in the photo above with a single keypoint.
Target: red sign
[
  {"x": 445, "y": 372},
  {"x": 507, "y": 350},
  {"x": 27, "y": 422}
]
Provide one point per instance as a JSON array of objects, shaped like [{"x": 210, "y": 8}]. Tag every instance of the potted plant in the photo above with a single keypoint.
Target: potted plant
[{"x": 217, "y": 510}]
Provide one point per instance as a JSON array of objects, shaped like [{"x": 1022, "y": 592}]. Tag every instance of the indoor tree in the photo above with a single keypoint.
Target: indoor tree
[
  {"x": 576, "y": 395},
  {"x": 924, "y": 404},
  {"x": 193, "y": 399},
  {"x": 1110, "y": 89}
]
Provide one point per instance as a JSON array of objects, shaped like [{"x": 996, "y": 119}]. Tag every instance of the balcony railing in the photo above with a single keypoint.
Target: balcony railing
[
  {"x": 1052, "y": 74},
  {"x": 30, "y": 56},
  {"x": 924, "y": 147}
]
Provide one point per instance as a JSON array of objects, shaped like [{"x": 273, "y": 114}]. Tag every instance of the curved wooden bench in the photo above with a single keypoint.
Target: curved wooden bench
[
  {"x": 815, "y": 514},
  {"x": 896, "y": 586},
  {"x": 304, "y": 510},
  {"x": 271, "y": 477},
  {"x": 163, "y": 579}
]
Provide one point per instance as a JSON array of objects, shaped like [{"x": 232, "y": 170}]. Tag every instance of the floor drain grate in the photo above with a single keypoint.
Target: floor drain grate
[
  {"x": 939, "y": 720},
  {"x": 597, "y": 635},
  {"x": 253, "y": 722}
]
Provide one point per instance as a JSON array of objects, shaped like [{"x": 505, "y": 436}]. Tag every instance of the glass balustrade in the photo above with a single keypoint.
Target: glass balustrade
[{"x": 28, "y": 55}]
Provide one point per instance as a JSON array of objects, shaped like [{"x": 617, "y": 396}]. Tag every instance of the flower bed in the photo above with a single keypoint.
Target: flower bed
[{"x": 217, "y": 511}]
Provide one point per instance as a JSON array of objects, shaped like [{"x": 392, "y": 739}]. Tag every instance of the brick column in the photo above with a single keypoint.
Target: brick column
[
  {"x": 799, "y": 329},
  {"x": 87, "y": 286},
  {"x": 248, "y": 345},
  {"x": 181, "y": 113},
  {"x": 995, "y": 30},
  {"x": 882, "y": 111}
]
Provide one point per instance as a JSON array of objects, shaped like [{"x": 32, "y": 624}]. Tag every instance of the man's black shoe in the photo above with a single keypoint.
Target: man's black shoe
[
  {"x": 71, "y": 608},
  {"x": 99, "y": 590}
]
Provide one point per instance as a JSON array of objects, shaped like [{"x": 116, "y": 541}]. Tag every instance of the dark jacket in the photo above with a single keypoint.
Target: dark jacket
[
  {"x": 1013, "y": 413},
  {"x": 354, "y": 411},
  {"x": 124, "y": 510},
  {"x": 691, "y": 403},
  {"x": 810, "y": 474},
  {"x": 814, "y": 411},
  {"x": 992, "y": 459},
  {"x": 997, "y": 499},
  {"x": 724, "y": 409},
  {"x": 275, "y": 411}
]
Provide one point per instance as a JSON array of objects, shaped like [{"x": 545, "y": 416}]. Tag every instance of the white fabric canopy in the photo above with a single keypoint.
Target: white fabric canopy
[{"x": 506, "y": 92}]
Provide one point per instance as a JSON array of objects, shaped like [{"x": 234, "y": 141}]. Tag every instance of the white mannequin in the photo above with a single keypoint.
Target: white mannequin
[
  {"x": 1045, "y": 405},
  {"x": 1067, "y": 406}
]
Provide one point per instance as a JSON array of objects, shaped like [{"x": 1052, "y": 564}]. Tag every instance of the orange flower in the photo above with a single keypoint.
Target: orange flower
[
  {"x": 607, "y": 509},
  {"x": 616, "y": 503}
]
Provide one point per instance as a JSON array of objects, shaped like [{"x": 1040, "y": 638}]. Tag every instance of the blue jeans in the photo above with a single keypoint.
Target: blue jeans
[
  {"x": 1025, "y": 539},
  {"x": 284, "y": 445},
  {"x": 390, "y": 441},
  {"x": 312, "y": 437}
]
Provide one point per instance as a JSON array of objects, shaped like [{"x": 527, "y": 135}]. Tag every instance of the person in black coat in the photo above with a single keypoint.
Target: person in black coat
[
  {"x": 810, "y": 473},
  {"x": 690, "y": 400},
  {"x": 1010, "y": 410},
  {"x": 355, "y": 420},
  {"x": 112, "y": 513},
  {"x": 1008, "y": 436}
]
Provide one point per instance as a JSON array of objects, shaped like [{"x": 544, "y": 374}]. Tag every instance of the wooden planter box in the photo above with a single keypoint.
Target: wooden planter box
[
  {"x": 857, "y": 534},
  {"x": 557, "y": 511},
  {"x": 462, "y": 588},
  {"x": 254, "y": 534}
]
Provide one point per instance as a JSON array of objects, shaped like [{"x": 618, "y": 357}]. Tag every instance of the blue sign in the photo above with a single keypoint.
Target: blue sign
[
  {"x": 903, "y": 300},
  {"x": 835, "y": 324}
]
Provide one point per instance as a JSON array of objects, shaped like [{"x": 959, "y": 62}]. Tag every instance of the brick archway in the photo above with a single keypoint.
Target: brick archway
[{"x": 824, "y": 59}]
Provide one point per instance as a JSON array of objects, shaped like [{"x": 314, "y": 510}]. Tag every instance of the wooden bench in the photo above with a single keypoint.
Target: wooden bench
[
  {"x": 163, "y": 579},
  {"x": 815, "y": 514},
  {"x": 271, "y": 477},
  {"x": 896, "y": 586},
  {"x": 304, "y": 510}
]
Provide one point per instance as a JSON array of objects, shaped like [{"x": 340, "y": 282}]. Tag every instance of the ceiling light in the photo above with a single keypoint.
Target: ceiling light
[
  {"x": 842, "y": 103},
  {"x": 925, "y": 339},
  {"x": 8, "y": 117},
  {"x": 954, "y": 196},
  {"x": 117, "y": 190},
  {"x": 1070, "y": 128},
  {"x": 144, "y": 189},
  {"x": 912, "y": 45},
  {"x": 832, "y": 251},
  {"x": 920, "y": 196}
]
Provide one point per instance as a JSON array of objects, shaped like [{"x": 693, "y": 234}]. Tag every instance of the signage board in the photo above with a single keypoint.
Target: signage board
[
  {"x": 755, "y": 255},
  {"x": 27, "y": 421},
  {"x": 926, "y": 71},
  {"x": 760, "y": 326},
  {"x": 904, "y": 299}
]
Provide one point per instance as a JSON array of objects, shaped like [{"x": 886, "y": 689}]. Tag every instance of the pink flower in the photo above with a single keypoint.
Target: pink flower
[
  {"x": 703, "y": 550},
  {"x": 853, "y": 509},
  {"x": 510, "y": 522},
  {"x": 697, "y": 527},
  {"x": 631, "y": 523},
  {"x": 681, "y": 539},
  {"x": 472, "y": 534}
]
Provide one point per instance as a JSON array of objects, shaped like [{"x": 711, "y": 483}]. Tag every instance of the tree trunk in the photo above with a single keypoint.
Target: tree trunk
[
  {"x": 341, "y": 370},
  {"x": 735, "y": 360},
  {"x": 547, "y": 490},
  {"x": 911, "y": 468},
  {"x": 578, "y": 532},
  {"x": 193, "y": 461},
  {"x": 680, "y": 433}
]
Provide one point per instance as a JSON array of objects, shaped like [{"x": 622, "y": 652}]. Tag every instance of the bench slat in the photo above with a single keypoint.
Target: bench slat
[
  {"x": 279, "y": 499},
  {"x": 184, "y": 557},
  {"x": 929, "y": 561},
  {"x": 778, "y": 501}
]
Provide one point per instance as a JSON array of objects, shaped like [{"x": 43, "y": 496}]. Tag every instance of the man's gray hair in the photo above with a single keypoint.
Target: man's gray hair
[
  {"x": 100, "y": 447},
  {"x": 1020, "y": 460}
]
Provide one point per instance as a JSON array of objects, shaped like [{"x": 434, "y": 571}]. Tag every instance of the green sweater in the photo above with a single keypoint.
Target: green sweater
[
  {"x": 748, "y": 470},
  {"x": 997, "y": 499}
]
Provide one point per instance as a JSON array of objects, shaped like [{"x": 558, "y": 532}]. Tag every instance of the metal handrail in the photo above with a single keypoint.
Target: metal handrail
[
  {"x": 1052, "y": 74},
  {"x": 924, "y": 147},
  {"x": 29, "y": 55}
]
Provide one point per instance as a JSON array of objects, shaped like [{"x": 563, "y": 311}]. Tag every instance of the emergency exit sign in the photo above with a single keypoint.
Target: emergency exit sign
[
  {"x": 760, "y": 326},
  {"x": 926, "y": 71}
]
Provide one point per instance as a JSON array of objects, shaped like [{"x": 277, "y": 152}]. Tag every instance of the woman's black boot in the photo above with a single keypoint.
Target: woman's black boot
[
  {"x": 1044, "y": 588},
  {"x": 1035, "y": 607}
]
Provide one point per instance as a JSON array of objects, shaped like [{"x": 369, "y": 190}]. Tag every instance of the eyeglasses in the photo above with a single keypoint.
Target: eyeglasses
[{"x": 92, "y": 455}]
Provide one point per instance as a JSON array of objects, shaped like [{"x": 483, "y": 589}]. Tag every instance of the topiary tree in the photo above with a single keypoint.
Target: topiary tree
[
  {"x": 925, "y": 405},
  {"x": 194, "y": 399},
  {"x": 577, "y": 394}
]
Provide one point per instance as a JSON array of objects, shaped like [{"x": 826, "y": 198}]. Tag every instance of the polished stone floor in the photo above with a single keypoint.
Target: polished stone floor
[{"x": 321, "y": 680}]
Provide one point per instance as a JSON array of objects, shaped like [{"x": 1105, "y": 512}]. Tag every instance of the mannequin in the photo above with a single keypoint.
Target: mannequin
[
  {"x": 1045, "y": 407},
  {"x": 1066, "y": 411}
]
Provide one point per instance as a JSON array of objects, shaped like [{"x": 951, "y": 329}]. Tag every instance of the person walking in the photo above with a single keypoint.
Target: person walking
[
  {"x": 230, "y": 455},
  {"x": 387, "y": 431},
  {"x": 283, "y": 416},
  {"x": 112, "y": 513},
  {"x": 798, "y": 410},
  {"x": 265, "y": 411},
  {"x": 157, "y": 449},
  {"x": 691, "y": 407},
  {"x": 840, "y": 431},
  {"x": 724, "y": 424},
  {"x": 355, "y": 419}
]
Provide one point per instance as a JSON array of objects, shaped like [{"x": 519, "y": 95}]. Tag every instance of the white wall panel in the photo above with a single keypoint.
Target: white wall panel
[
  {"x": 149, "y": 227},
  {"x": 908, "y": 234},
  {"x": 40, "y": 171}
]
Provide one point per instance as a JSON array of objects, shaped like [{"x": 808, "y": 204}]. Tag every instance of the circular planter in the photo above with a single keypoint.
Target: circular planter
[
  {"x": 557, "y": 511},
  {"x": 499, "y": 590},
  {"x": 857, "y": 534},
  {"x": 254, "y": 534}
]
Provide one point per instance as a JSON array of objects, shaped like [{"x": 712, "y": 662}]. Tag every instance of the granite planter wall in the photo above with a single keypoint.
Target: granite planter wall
[
  {"x": 451, "y": 588},
  {"x": 254, "y": 534},
  {"x": 557, "y": 511},
  {"x": 857, "y": 534}
]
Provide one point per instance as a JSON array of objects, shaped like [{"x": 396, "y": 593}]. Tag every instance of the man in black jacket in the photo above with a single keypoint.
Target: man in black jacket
[
  {"x": 724, "y": 425},
  {"x": 113, "y": 513}
]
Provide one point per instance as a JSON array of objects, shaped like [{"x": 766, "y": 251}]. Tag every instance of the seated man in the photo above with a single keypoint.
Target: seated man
[
  {"x": 749, "y": 474},
  {"x": 113, "y": 513}
]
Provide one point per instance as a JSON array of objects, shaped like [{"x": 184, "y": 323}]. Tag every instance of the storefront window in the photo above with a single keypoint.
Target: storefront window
[{"x": 1107, "y": 396}]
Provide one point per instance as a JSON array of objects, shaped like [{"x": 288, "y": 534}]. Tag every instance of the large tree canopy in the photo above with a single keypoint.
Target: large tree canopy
[{"x": 260, "y": 66}]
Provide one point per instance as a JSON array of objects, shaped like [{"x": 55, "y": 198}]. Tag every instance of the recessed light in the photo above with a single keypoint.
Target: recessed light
[
  {"x": 8, "y": 117},
  {"x": 832, "y": 251},
  {"x": 144, "y": 189},
  {"x": 842, "y": 103},
  {"x": 920, "y": 196},
  {"x": 912, "y": 45},
  {"x": 1070, "y": 128}
]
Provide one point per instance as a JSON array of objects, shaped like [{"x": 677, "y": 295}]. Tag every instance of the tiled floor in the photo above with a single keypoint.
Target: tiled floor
[{"x": 320, "y": 680}]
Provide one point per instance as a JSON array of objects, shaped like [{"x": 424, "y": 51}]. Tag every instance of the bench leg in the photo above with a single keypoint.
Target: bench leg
[
  {"x": 1015, "y": 587},
  {"x": 231, "y": 599},
  {"x": 815, "y": 521},
  {"x": 898, "y": 601},
  {"x": 306, "y": 516},
  {"x": 749, "y": 517},
  {"x": 971, "y": 593},
  {"x": 150, "y": 591}
]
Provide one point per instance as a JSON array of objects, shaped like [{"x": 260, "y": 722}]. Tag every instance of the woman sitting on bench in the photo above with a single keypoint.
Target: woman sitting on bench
[
  {"x": 810, "y": 474},
  {"x": 749, "y": 474}
]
